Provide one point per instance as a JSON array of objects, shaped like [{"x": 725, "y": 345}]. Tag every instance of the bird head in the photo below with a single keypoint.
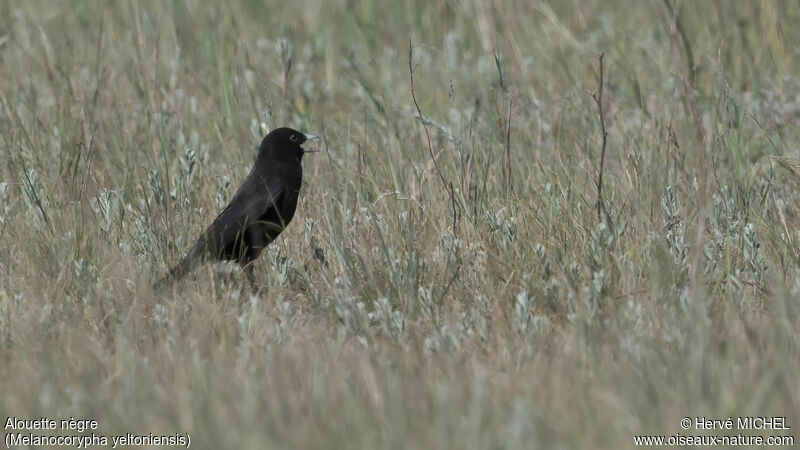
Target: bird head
[{"x": 284, "y": 144}]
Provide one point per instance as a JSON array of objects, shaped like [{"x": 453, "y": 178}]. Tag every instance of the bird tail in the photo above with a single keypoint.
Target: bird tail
[
  {"x": 189, "y": 262},
  {"x": 172, "y": 276}
]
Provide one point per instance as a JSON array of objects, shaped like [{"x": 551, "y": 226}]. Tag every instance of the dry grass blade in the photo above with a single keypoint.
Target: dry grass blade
[{"x": 792, "y": 165}]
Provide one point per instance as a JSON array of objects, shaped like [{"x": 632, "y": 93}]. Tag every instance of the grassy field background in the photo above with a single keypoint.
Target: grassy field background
[{"x": 494, "y": 310}]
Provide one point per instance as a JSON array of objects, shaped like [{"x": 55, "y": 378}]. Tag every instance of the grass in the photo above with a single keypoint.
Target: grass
[{"x": 494, "y": 310}]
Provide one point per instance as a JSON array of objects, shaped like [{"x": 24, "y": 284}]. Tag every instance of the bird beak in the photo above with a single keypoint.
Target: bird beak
[{"x": 310, "y": 137}]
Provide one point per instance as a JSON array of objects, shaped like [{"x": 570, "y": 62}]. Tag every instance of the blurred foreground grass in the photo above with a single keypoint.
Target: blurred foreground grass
[{"x": 393, "y": 315}]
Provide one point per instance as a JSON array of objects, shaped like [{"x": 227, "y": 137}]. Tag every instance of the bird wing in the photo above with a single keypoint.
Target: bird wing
[{"x": 255, "y": 197}]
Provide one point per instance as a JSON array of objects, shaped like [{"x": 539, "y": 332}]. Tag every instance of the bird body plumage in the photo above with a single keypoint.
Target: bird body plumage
[{"x": 259, "y": 211}]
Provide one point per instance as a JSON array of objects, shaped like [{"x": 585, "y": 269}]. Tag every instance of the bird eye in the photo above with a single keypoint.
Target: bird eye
[{"x": 293, "y": 138}]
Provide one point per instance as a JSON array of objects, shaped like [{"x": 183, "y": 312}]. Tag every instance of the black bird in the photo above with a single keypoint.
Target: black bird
[{"x": 261, "y": 208}]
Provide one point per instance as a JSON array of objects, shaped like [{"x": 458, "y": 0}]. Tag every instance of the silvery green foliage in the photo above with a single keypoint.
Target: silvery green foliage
[
  {"x": 161, "y": 316},
  {"x": 425, "y": 298},
  {"x": 522, "y": 311},
  {"x": 724, "y": 228},
  {"x": 753, "y": 255},
  {"x": 725, "y": 215},
  {"x": 390, "y": 321},
  {"x": 286, "y": 266},
  {"x": 450, "y": 247},
  {"x": 5, "y": 202},
  {"x": 574, "y": 274},
  {"x": 352, "y": 316},
  {"x": 503, "y": 227},
  {"x": 600, "y": 282},
  {"x": 729, "y": 233},
  {"x": 107, "y": 206},
  {"x": 476, "y": 317},
  {"x": 795, "y": 284},
  {"x": 673, "y": 228},
  {"x": 86, "y": 275},
  {"x": 156, "y": 187},
  {"x": 546, "y": 285},
  {"x": 309, "y": 226},
  {"x": 187, "y": 163},
  {"x": 284, "y": 311},
  {"x": 375, "y": 221},
  {"x": 223, "y": 183},
  {"x": 600, "y": 245},
  {"x": 350, "y": 219},
  {"x": 246, "y": 323},
  {"x": 5, "y": 308},
  {"x": 544, "y": 263},
  {"x": 182, "y": 178},
  {"x": 256, "y": 130},
  {"x": 366, "y": 214},
  {"x": 525, "y": 321},
  {"x": 33, "y": 193},
  {"x": 478, "y": 255},
  {"x": 634, "y": 315},
  {"x": 445, "y": 339}
]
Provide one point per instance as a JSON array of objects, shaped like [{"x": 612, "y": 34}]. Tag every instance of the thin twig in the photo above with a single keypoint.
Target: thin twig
[
  {"x": 771, "y": 172},
  {"x": 598, "y": 100},
  {"x": 508, "y": 149},
  {"x": 360, "y": 153},
  {"x": 32, "y": 189},
  {"x": 500, "y": 72},
  {"x": 35, "y": 195},
  {"x": 447, "y": 186},
  {"x": 419, "y": 112},
  {"x": 455, "y": 209}
]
